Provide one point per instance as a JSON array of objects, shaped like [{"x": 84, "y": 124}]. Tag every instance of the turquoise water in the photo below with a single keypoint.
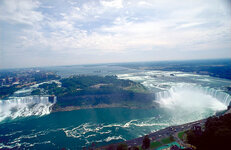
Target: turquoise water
[{"x": 77, "y": 129}]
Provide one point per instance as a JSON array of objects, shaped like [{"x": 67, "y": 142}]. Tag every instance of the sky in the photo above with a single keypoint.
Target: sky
[{"x": 67, "y": 32}]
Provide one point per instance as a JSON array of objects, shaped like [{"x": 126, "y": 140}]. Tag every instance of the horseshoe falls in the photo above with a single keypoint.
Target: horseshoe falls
[
  {"x": 184, "y": 97},
  {"x": 188, "y": 95},
  {"x": 26, "y": 122},
  {"x": 187, "y": 101}
]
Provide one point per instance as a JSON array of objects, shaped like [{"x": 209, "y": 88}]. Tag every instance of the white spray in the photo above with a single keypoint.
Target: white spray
[
  {"x": 25, "y": 106},
  {"x": 188, "y": 97}
]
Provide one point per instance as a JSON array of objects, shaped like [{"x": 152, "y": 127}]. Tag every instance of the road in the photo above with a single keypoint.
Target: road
[
  {"x": 164, "y": 133},
  {"x": 173, "y": 130}
]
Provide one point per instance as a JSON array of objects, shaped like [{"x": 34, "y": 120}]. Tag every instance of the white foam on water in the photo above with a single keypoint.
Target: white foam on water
[
  {"x": 24, "y": 107},
  {"x": 80, "y": 130},
  {"x": 108, "y": 139},
  {"x": 88, "y": 130},
  {"x": 151, "y": 124},
  {"x": 91, "y": 135},
  {"x": 11, "y": 134},
  {"x": 18, "y": 142},
  {"x": 107, "y": 132},
  {"x": 24, "y": 90}
]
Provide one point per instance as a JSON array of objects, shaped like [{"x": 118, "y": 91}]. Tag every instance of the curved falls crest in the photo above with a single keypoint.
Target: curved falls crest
[{"x": 193, "y": 96}]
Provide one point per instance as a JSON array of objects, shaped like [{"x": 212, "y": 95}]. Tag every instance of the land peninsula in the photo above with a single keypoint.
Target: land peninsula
[{"x": 85, "y": 91}]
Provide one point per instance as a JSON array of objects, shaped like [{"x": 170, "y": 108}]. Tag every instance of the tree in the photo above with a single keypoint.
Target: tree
[
  {"x": 146, "y": 142},
  {"x": 122, "y": 146},
  {"x": 217, "y": 134},
  {"x": 135, "y": 148},
  {"x": 171, "y": 138}
]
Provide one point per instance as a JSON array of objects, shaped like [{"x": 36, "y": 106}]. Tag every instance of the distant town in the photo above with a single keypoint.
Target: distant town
[{"x": 15, "y": 80}]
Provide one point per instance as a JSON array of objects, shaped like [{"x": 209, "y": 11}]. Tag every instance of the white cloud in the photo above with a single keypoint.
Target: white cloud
[
  {"x": 186, "y": 25},
  {"x": 124, "y": 35},
  {"x": 20, "y": 11},
  {"x": 117, "y": 27},
  {"x": 112, "y": 3},
  {"x": 145, "y": 3}
]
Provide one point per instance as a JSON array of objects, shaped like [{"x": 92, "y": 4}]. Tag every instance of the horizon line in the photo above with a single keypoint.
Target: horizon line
[{"x": 68, "y": 65}]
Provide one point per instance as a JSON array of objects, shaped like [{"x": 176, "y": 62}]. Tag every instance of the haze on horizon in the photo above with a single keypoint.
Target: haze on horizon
[{"x": 66, "y": 32}]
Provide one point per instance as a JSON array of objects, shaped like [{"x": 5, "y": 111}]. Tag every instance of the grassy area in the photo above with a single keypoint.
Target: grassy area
[
  {"x": 166, "y": 140},
  {"x": 137, "y": 89},
  {"x": 152, "y": 145},
  {"x": 181, "y": 134},
  {"x": 155, "y": 144}
]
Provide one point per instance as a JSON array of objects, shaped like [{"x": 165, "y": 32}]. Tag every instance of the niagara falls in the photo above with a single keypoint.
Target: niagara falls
[
  {"x": 177, "y": 98},
  {"x": 115, "y": 74},
  {"x": 24, "y": 106}
]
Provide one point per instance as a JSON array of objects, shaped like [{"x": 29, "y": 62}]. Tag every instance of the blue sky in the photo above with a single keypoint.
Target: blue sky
[{"x": 66, "y": 32}]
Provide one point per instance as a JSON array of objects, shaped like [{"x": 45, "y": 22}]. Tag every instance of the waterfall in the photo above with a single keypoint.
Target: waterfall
[
  {"x": 193, "y": 90},
  {"x": 25, "y": 106}
]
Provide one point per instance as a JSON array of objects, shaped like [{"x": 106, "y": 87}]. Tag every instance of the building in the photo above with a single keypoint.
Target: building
[
  {"x": 174, "y": 147},
  {"x": 197, "y": 130}
]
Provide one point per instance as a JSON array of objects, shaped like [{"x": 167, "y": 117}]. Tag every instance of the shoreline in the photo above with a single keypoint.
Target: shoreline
[
  {"x": 157, "y": 135},
  {"x": 165, "y": 132},
  {"x": 73, "y": 108}
]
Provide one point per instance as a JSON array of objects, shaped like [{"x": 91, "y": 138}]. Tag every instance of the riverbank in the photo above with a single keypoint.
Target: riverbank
[
  {"x": 158, "y": 136},
  {"x": 71, "y": 108}
]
